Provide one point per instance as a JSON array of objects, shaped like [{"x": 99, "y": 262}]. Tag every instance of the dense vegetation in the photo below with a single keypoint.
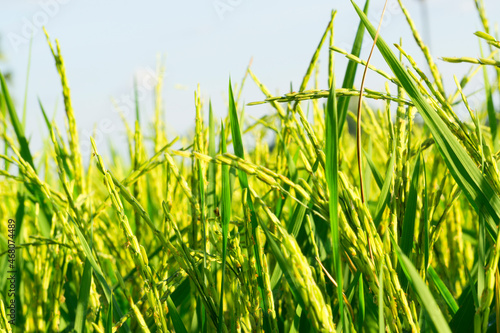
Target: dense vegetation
[{"x": 282, "y": 237}]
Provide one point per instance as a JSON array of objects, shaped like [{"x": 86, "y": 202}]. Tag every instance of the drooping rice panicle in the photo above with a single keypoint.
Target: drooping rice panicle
[
  {"x": 74, "y": 142},
  {"x": 142, "y": 239},
  {"x": 137, "y": 251},
  {"x": 480, "y": 61}
]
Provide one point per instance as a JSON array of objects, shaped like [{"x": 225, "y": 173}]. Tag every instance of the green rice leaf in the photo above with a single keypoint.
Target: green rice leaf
[
  {"x": 425, "y": 200},
  {"x": 381, "y": 320},
  {"x": 18, "y": 128},
  {"x": 350, "y": 72},
  {"x": 293, "y": 228},
  {"x": 83, "y": 298},
  {"x": 25, "y": 152},
  {"x": 176, "y": 318},
  {"x": 408, "y": 233},
  {"x": 384, "y": 196},
  {"x": 423, "y": 292},
  {"x": 361, "y": 303},
  {"x": 470, "y": 179},
  {"x": 242, "y": 176},
  {"x": 225, "y": 217},
  {"x": 463, "y": 320},
  {"x": 443, "y": 290},
  {"x": 109, "y": 320},
  {"x": 332, "y": 164},
  {"x": 98, "y": 272},
  {"x": 236, "y": 136},
  {"x": 376, "y": 174}
]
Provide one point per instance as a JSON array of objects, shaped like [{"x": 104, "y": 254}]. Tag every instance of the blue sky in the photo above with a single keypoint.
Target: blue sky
[{"x": 106, "y": 43}]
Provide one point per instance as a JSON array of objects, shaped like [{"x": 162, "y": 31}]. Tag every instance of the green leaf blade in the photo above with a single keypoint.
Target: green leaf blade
[{"x": 474, "y": 185}]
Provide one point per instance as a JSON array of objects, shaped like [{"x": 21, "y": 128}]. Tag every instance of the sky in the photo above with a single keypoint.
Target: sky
[{"x": 105, "y": 44}]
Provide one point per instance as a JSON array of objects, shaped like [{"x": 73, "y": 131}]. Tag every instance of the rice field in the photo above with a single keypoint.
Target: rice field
[{"x": 307, "y": 230}]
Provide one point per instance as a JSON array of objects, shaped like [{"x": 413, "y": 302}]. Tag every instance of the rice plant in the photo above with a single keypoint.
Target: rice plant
[{"x": 311, "y": 231}]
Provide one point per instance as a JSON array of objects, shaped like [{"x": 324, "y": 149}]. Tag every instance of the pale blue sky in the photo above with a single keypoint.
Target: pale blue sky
[{"x": 106, "y": 43}]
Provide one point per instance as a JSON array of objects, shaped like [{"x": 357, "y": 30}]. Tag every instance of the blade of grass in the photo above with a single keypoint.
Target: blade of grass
[
  {"x": 384, "y": 192},
  {"x": 109, "y": 319},
  {"x": 61, "y": 148},
  {"x": 46, "y": 218},
  {"x": 443, "y": 290},
  {"x": 239, "y": 152},
  {"x": 350, "y": 72},
  {"x": 361, "y": 303},
  {"x": 225, "y": 217},
  {"x": 18, "y": 128},
  {"x": 425, "y": 200},
  {"x": 175, "y": 317},
  {"x": 407, "y": 236},
  {"x": 463, "y": 320},
  {"x": 423, "y": 292},
  {"x": 381, "y": 321},
  {"x": 474, "y": 185},
  {"x": 98, "y": 272},
  {"x": 293, "y": 227},
  {"x": 83, "y": 298},
  {"x": 292, "y": 175},
  {"x": 332, "y": 164},
  {"x": 497, "y": 300},
  {"x": 481, "y": 253},
  {"x": 374, "y": 170},
  {"x": 85, "y": 284}
]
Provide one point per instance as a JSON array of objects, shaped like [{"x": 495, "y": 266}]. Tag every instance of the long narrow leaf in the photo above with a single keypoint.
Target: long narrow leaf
[
  {"x": 83, "y": 298},
  {"x": 381, "y": 319},
  {"x": 423, "y": 292},
  {"x": 242, "y": 176},
  {"x": 176, "y": 318},
  {"x": 225, "y": 217},
  {"x": 443, "y": 290},
  {"x": 18, "y": 128},
  {"x": 384, "y": 193},
  {"x": 332, "y": 164},
  {"x": 350, "y": 73},
  {"x": 474, "y": 185},
  {"x": 98, "y": 272},
  {"x": 408, "y": 233},
  {"x": 376, "y": 174},
  {"x": 109, "y": 319}
]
